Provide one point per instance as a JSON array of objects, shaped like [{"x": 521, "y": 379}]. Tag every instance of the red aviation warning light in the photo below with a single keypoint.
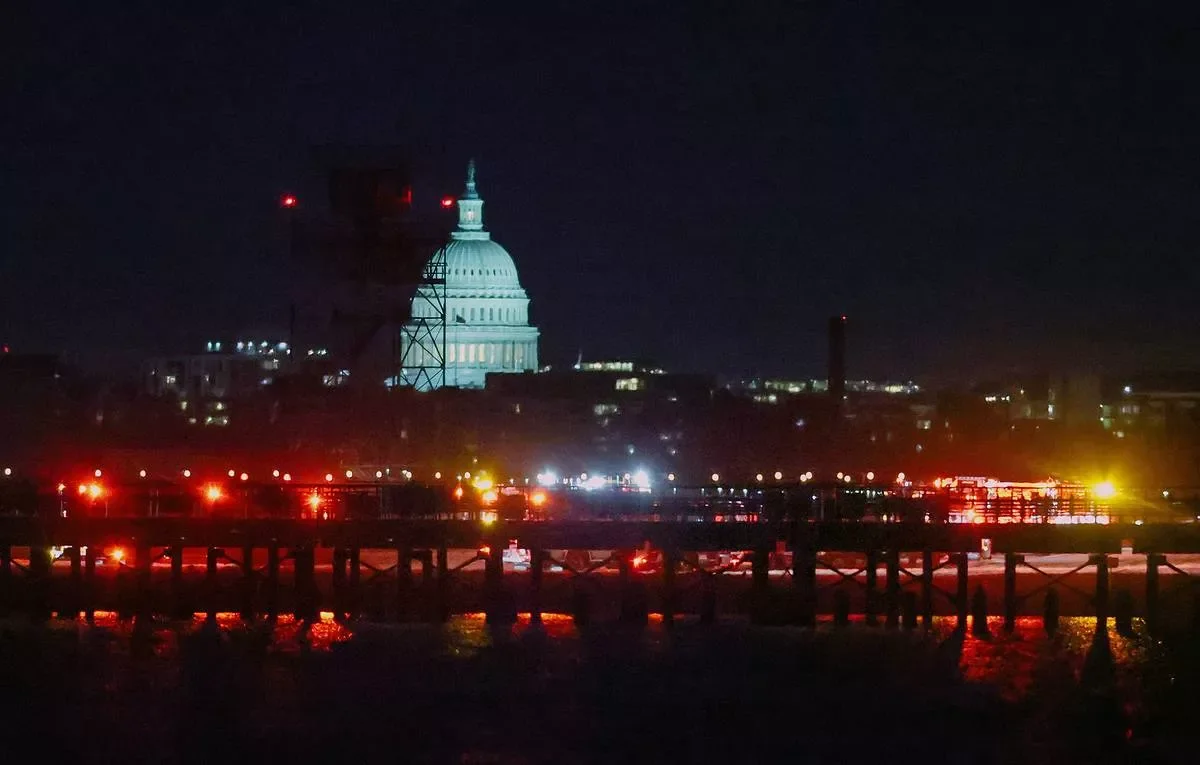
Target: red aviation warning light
[
  {"x": 447, "y": 203},
  {"x": 288, "y": 201}
]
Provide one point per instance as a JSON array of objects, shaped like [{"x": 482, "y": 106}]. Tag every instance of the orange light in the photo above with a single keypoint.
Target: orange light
[
  {"x": 458, "y": 492},
  {"x": 314, "y": 501},
  {"x": 489, "y": 496},
  {"x": 232, "y": 473},
  {"x": 329, "y": 477},
  {"x": 98, "y": 473},
  {"x": 244, "y": 477},
  {"x": 485, "y": 550},
  {"x": 82, "y": 489},
  {"x": 287, "y": 476},
  {"x": 117, "y": 554},
  {"x": 187, "y": 473},
  {"x": 95, "y": 491},
  {"x": 62, "y": 487},
  {"x": 979, "y": 519},
  {"x": 639, "y": 561},
  {"x": 212, "y": 492},
  {"x": 275, "y": 473},
  {"x": 538, "y": 499},
  {"x": 141, "y": 474},
  {"x": 349, "y": 473}
]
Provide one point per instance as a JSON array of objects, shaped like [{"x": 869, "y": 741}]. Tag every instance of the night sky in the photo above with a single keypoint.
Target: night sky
[{"x": 982, "y": 191}]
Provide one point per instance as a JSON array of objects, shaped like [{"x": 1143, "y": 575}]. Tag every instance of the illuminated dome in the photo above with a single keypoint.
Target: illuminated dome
[
  {"x": 487, "y": 311},
  {"x": 479, "y": 266}
]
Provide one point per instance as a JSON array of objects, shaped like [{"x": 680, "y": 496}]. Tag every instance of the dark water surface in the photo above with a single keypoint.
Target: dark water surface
[{"x": 466, "y": 693}]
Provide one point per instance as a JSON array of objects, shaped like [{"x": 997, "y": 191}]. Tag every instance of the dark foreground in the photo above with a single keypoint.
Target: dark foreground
[{"x": 465, "y": 693}]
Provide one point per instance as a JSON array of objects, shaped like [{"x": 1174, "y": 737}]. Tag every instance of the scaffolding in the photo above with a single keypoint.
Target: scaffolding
[{"x": 423, "y": 336}]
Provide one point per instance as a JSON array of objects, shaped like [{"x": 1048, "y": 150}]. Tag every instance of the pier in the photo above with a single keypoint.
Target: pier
[{"x": 898, "y": 574}]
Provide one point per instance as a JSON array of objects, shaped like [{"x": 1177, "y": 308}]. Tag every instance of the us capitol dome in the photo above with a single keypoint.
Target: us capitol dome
[{"x": 487, "y": 310}]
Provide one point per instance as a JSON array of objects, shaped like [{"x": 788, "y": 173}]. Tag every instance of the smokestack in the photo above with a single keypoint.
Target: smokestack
[{"x": 837, "y": 357}]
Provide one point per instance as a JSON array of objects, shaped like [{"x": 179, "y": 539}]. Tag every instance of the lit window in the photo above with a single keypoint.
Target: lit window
[
  {"x": 471, "y": 354},
  {"x": 629, "y": 383}
]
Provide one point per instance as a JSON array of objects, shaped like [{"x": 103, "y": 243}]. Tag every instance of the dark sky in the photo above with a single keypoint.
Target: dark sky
[{"x": 980, "y": 188}]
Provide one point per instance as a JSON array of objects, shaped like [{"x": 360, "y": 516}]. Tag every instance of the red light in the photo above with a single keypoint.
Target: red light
[
  {"x": 447, "y": 202},
  {"x": 287, "y": 200}
]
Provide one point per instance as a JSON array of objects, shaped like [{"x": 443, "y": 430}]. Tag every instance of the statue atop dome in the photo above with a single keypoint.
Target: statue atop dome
[
  {"x": 471, "y": 193},
  {"x": 470, "y": 208}
]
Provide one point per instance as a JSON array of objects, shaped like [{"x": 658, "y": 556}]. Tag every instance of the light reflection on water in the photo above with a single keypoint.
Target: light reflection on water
[
  {"x": 562, "y": 675},
  {"x": 1011, "y": 663}
]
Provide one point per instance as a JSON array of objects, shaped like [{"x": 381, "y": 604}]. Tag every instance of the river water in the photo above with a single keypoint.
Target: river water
[{"x": 464, "y": 692}]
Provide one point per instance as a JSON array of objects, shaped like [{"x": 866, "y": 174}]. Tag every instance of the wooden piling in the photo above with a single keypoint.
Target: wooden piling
[
  {"x": 493, "y": 583},
  {"x": 871, "y": 606},
  {"x": 249, "y": 584},
  {"x": 77, "y": 596},
  {"x": 804, "y": 575},
  {"x": 38, "y": 586},
  {"x": 307, "y": 607},
  {"x": 404, "y": 581},
  {"x": 1153, "y": 561},
  {"x": 979, "y": 613},
  {"x": 841, "y": 608},
  {"x": 908, "y": 609},
  {"x": 1101, "y": 563},
  {"x": 537, "y": 564},
  {"x": 670, "y": 561},
  {"x": 210, "y": 584},
  {"x": 927, "y": 567},
  {"x": 962, "y": 599},
  {"x": 442, "y": 596},
  {"x": 354, "y": 581},
  {"x": 1050, "y": 612},
  {"x": 271, "y": 585},
  {"x": 338, "y": 580},
  {"x": 1010, "y": 591},
  {"x": 892, "y": 600},
  {"x": 633, "y": 601},
  {"x": 180, "y": 608},
  {"x": 708, "y": 598},
  {"x": 89, "y": 585},
  {"x": 6, "y": 589},
  {"x": 144, "y": 596}
]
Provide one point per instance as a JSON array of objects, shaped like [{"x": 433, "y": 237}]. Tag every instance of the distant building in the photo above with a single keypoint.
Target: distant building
[
  {"x": 205, "y": 384},
  {"x": 487, "y": 310}
]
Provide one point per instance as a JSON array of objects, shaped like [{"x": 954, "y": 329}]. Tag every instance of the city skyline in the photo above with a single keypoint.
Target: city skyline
[{"x": 978, "y": 195}]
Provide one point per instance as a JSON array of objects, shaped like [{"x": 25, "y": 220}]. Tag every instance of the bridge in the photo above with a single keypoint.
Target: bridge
[{"x": 403, "y": 569}]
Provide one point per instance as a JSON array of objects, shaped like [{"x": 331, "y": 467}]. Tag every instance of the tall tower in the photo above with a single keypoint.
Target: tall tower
[{"x": 837, "y": 358}]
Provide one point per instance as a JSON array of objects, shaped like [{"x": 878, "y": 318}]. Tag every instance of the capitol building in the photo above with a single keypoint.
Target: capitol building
[{"x": 486, "y": 310}]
